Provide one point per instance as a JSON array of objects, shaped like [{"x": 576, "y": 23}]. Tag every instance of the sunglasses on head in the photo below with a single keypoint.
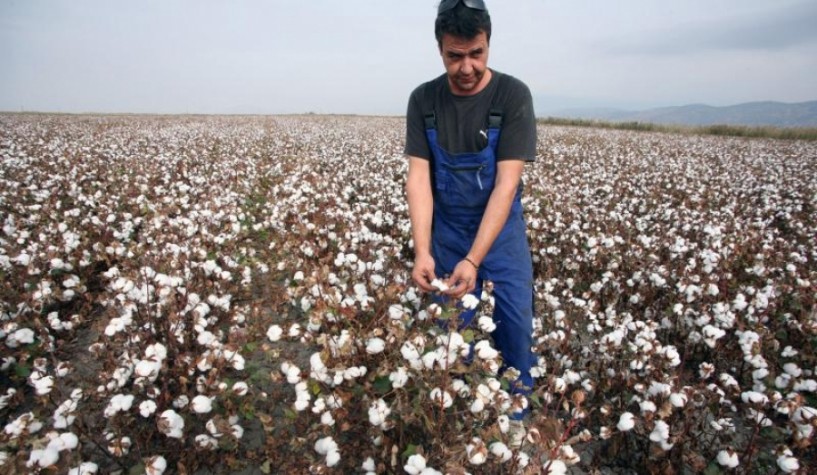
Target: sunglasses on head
[{"x": 446, "y": 5}]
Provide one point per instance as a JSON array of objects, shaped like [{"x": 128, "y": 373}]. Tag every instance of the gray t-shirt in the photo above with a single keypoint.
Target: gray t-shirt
[{"x": 463, "y": 120}]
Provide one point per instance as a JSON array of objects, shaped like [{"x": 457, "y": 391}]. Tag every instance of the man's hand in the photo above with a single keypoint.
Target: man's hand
[
  {"x": 423, "y": 272},
  {"x": 462, "y": 281}
]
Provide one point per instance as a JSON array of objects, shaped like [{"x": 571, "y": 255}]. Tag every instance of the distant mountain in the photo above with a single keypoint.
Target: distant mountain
[{"x": 778, "y": 114}]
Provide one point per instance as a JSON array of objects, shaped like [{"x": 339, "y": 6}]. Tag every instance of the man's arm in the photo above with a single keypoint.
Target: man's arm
[
  {"x": 508, "y": 175},
  {"x": 421, "y": 211}
]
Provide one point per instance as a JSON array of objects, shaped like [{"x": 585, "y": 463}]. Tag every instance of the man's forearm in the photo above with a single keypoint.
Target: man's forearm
[
  {"x": 497, "y": 210},
  {"x": 496, "y": 214},
  {"x": 421, "y": 206}
]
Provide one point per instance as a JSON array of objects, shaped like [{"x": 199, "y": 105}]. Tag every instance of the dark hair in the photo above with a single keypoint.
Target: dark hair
[{"x": 462, "y": 22}]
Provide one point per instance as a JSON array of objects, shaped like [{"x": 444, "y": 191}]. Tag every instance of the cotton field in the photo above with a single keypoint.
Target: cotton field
[{"x": 218, "y": 294}]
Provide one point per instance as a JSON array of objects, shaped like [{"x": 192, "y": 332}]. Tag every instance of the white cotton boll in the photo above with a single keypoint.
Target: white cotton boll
[
  {"x": 469, "y": 301},
  {"x": 155, "y": 465},
  {"x": 171, "y": 424},
  {"x": 484, "y": 350},
  {"x": 146, "y": 408},
  {"x": 486, "y": 324},
  {"x": 787, "y": 462},
  {"x": 118, "y": 403},
  {"x": 439, "y": 285},
  {"x": 754, "y": 397},
  {"x": 647, "y": 407},
  {"x": 728, "y": 458},
  {"x": 660, "y": 432},
  {"x": 409, "y": 351},
  {"x": 399, "y": 377},
  {"x": 477, "y": 452},
  {"x": 327, "y": 419},
  {"x": 43, "y": 457},
  {"x": 626, "y": 422},
  {"x": 275, "y": 332},
  {"x": 85, "y": 468},
  {"x": 369, "y": 465},
  {"x": 678, "y": 399},
  {"x": 500, "y": 451},
  {"x": 23, "y": 336},
  {"x": 438, "y": 396},
  {"x": 414, "y": 465},
  {"x": 375, "y": 346},
  {"x": 430, "y": 359},
  {"x": 477, "y": 406},
  {"x": 240, "y": 388},
  {"x": 504, "y": 423},
  {"x": 555, "y": 467},
  {"x": 42, "y": 385},
  {"x": 237, "y": 431},
  {"x": 206, "y": 442},
  {"x": 202, "y": 404},
  {"x": 379, "y": 411}
]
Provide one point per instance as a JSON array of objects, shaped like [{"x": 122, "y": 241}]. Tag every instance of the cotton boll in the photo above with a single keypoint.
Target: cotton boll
[
  {"x": 155, "y": 465},
  {"x": 375, "y": 346},
  {"x": 486, "y": 324},
  {"x": 414, "y": 465},
  {"x": 787, "y": 462},
  {"x": 477, "y": 452},
  {"x": 728, "y": 458},
  {"x": 85, "y": 468},
  {"x": 146, "y": 408},
  {"x": 202, "y": 404},
  {"x": 171, "y": 424},
  {"x": 469, "y": 301},
  {"x": 206, "y": 442},
  {"x": 500, "y": 451},
  {"x": 274, "y": 333},
  {"x": 626, "y": 422},
  {"x": 555, "y": 467}
]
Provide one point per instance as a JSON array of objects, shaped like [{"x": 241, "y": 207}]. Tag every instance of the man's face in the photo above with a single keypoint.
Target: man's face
[{"x": 466, "y": 63}]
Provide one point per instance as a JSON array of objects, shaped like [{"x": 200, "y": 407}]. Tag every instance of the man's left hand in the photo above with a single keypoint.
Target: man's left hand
[{"x": 462, "y": 281}]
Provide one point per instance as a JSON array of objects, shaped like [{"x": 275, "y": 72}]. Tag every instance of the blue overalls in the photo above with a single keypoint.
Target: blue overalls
[{"x": 462, "y": 185}]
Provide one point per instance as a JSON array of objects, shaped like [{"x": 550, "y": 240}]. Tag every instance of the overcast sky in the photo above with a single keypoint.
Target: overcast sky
[{"x": 365, "y": 56}]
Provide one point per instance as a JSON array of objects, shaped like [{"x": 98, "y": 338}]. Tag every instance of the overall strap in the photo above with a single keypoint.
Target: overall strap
[
  {"x": 429, "y": 117},
  {"x": 495, "y": 112}
]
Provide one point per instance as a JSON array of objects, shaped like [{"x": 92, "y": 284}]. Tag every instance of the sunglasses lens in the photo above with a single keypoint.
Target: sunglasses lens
[{"x": 449, "y": 4}]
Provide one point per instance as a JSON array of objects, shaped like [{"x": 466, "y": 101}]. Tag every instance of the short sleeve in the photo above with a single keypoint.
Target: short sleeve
[
  {"x": 518, "y": 137},
  {"x": 416, "y": 142}
]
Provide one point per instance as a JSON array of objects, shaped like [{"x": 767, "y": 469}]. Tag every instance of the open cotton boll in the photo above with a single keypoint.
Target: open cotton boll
[
  {"x": 275, "y": 332},
  {"x": 477, "y": 452},
  {"x": 501, "y": 451},
  {"x": 439, "y": 285},
  {"x": 42, "y": 458},
  {"x": 554, "y": 467},
  {"x": 728, "y": 458},
  {"x": 85, "y": 468},
  {"x": 171, "y": 424},
  {"x": 328, "y": 447},
  {"x": 375, "y": 346},
  {"x": 202, "y": 404},
  {"x": 155, "y": 465},
  {"x": 787, "y": 462},
  {"x": 626, "y": 422},
  {"x": 486, "y": 324},
  {"x": 469, "y": 301},
  {"x": 415, "y": 465},
  {"x": 118, "y": 403},
  {"x": 484, "y": 350},
  {"x": 441, "y": 397},
  {"x": 146, "y": 408}
]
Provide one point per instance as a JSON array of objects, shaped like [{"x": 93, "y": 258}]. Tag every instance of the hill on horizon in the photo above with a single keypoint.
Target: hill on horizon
[{"x": 765, "y": 113}]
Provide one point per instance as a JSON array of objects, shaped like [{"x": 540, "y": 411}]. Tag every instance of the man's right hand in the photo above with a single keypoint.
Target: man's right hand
[{"x": 423, "y": 272}]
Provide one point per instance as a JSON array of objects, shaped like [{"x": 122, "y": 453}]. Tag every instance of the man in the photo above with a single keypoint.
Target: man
[{"x": 469, "y": 133}]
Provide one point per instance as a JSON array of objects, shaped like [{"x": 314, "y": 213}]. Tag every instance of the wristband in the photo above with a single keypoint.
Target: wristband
[{"x": 466, "y": 259}]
